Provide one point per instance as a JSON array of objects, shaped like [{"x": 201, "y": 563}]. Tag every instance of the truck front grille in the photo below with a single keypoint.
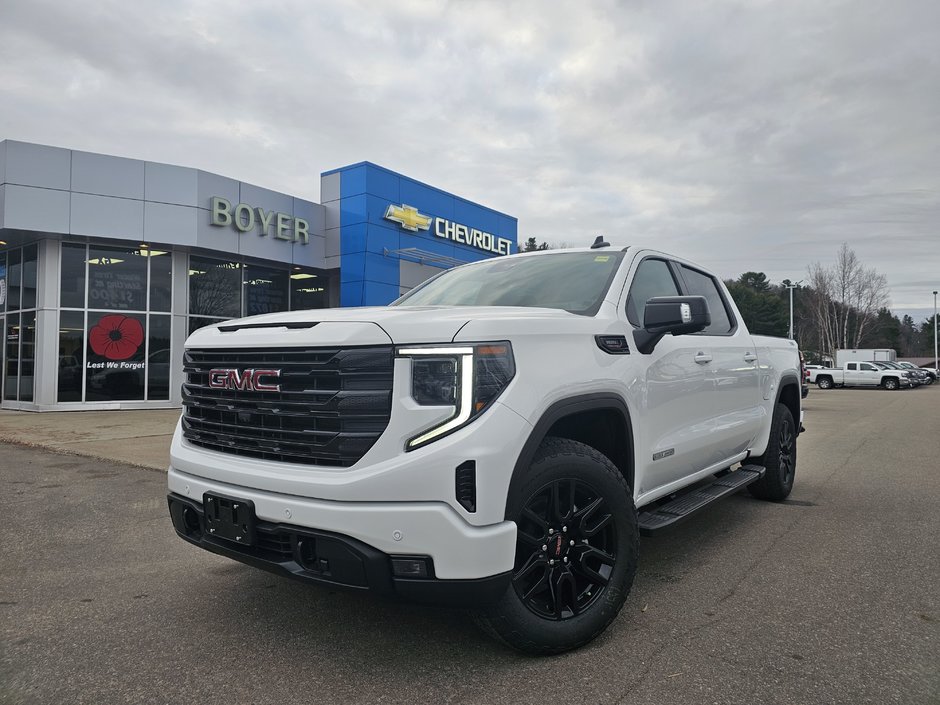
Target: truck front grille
[{"x": 332, "y": 405}]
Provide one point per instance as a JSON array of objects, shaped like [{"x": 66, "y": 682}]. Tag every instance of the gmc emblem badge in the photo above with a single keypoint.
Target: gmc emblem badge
[{"x": 245, "y": 380}]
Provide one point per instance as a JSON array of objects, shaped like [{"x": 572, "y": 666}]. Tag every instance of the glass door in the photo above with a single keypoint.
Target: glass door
[
  {"x": 11, "y": 366},
  {"x": 3, "y": 357}
]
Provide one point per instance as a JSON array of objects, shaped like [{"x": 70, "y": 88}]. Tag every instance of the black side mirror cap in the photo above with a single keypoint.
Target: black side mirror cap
[{"x": 675, "y": 315}]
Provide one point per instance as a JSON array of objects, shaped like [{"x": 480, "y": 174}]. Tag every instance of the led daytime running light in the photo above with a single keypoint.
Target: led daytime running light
[{"x": 466, "y": 390}]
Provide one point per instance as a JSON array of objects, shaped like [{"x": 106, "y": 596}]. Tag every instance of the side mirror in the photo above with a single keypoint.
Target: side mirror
[{"x": 675, "y": 315}]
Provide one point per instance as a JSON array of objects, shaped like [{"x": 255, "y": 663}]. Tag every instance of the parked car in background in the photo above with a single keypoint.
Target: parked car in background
[
  {"x": 917, "y": 378},
  {"x": 930, "y": 373},
  {"x": 859, "y": 374}
]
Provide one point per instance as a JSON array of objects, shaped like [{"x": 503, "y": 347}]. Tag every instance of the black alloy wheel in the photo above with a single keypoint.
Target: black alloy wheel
[
  {"x": 787, "y": 450},
  {"x": 779, "y": 460},
  {"x": 566, "y": 549},
  {"x": 577, "y": 546}
]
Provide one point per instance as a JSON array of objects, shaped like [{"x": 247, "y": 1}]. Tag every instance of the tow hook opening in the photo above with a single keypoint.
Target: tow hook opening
[{"x": 191, "y": 524}]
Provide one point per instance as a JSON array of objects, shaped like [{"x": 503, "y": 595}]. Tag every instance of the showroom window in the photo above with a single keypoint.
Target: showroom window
[
  {"x": 224, "y": 289},
  {"x": 265, "y": 290},
  {"x": 309, "y": 288},
  {"x": 18, "y": 272},
  {"x": 114, "y": 324}
]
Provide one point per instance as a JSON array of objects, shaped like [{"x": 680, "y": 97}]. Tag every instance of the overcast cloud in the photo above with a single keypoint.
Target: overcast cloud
[{"x": 742, "y": 135}]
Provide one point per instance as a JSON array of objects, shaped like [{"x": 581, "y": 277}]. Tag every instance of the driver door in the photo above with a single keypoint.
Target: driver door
[{"x": 674, "y": 397}]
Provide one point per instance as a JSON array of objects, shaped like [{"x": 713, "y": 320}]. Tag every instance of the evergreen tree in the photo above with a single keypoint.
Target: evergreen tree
[
  {"x": 763, "y": 311},
  {"x": 531, "y": 245}
]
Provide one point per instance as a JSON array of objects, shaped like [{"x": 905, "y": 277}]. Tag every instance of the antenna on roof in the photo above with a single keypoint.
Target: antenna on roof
[{"x": 600, "y": 242}]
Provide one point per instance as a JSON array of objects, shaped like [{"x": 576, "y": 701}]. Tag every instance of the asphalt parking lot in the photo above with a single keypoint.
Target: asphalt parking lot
[{"x": 830, "y": 597}]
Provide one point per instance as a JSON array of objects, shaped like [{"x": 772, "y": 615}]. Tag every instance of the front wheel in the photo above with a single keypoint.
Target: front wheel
[
  {"x": 891, "y": 383},
  {"x": 577, "y": 545},
  {"x": 779, "y": 460}
]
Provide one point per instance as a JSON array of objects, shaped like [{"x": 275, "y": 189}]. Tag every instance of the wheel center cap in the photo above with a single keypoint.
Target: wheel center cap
[{"x": 559, "y": 544}]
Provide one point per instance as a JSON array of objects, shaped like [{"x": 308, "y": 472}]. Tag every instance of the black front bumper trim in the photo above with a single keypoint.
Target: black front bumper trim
[{"x": 333, "y": 560}]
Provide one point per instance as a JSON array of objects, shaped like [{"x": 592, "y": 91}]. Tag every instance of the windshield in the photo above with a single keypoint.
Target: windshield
[{"x": 571, "y": 281}]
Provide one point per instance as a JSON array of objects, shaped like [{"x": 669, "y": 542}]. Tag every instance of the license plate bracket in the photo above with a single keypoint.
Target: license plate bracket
[{"x": 229, "y": 518}]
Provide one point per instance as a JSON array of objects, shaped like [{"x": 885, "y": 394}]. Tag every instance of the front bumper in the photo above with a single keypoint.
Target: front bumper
[
  {"x": 332, "y": 559},
  {"x": 459, "y": 550}
]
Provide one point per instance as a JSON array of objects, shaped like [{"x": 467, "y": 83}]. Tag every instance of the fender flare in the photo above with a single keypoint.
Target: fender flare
[
  {"x": 569, "y": 406},
  {"x": 790, "y": 380}
]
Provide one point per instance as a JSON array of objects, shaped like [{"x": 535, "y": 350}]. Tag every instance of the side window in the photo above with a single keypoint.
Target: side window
[
  {"x": 868, "y": 368},
  {"x": 703, "y": 285},
  {"x": 652, "y": 278}
]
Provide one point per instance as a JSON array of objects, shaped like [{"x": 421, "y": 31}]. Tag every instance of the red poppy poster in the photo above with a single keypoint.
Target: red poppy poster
[
  {"x": 116, "y": 363},
  {"x": 116, "y": 337}
]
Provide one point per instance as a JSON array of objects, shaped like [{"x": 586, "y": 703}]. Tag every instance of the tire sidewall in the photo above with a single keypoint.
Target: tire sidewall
[
  {"x": 592, "y": 468},
  {"x": 773, "y": 486}
]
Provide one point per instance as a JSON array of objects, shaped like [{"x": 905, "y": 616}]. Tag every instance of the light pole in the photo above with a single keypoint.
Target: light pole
[
  {"x": 791, "y": 287},
  {"x": 935, "y": 365}
]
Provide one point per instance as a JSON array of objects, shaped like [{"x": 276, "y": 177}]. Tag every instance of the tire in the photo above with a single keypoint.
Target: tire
[
  {"x": 824, "y": 382},
  {"x": 575, "y": 509},
  {"x": 890, "y": 383},
  {"x": 779, "y": 459}
]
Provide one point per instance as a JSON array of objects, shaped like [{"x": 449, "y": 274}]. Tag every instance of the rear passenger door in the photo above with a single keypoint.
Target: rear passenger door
[{"x": 736, "y": 405}]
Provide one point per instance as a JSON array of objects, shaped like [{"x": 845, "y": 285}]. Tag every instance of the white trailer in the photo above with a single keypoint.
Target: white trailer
[{"x": 865, "y": 355}]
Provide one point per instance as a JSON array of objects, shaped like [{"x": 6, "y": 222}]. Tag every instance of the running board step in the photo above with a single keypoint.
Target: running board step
[{"x": 683, "y": 506}]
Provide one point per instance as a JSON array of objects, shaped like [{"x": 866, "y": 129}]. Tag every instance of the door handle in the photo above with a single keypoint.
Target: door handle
[
  {"x": 702, "y": 357},
  {"x": 749, "y": 357}
]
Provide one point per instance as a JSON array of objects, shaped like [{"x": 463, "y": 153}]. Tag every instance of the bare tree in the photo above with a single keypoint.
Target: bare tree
[{"x": 845, "y": 300}]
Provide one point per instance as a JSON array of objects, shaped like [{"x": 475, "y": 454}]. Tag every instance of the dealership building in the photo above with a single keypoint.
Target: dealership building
[{"x": 108, "y": 263}]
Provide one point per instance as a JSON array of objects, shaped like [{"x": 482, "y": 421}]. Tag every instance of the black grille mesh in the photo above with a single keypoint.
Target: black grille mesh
[{"x": 333, "y": 405}]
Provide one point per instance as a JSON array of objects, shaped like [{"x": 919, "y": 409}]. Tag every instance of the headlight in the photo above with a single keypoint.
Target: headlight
[{"x": 466, "y": 377}]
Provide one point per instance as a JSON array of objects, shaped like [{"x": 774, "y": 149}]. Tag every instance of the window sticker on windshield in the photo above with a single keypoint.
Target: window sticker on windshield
[{"x": 602, "y": 258}]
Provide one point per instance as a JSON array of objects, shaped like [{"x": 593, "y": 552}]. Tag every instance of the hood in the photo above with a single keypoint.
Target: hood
[{"x": 372, "y": 325}]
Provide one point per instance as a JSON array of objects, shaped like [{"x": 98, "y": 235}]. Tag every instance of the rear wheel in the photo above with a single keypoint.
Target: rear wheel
[
  {"x": 824, "y": 382},
  {"x": 576, "y": 551},
  {"x": 779, "y": 460}
]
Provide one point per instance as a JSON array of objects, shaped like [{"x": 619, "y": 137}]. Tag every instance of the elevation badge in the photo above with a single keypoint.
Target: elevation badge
[{"x": 408, "y": 217}]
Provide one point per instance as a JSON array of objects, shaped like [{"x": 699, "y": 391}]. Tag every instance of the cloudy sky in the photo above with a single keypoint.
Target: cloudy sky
[{"x": 742, "y": 135}]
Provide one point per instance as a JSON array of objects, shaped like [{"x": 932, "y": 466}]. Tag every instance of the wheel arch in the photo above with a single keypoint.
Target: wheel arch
[
  {"x": 789, "y": 395},
  {"x": 599, "y": 420}
]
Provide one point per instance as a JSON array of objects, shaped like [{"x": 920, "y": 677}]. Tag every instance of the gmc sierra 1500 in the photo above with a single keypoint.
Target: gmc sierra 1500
[{"x": 497, "y": 438}]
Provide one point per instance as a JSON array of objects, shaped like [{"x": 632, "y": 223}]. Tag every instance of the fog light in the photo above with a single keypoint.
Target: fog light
[{"x": 411, "y": 567}]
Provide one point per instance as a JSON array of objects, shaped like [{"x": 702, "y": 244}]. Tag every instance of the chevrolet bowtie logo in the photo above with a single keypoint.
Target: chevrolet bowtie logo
[{"x": 408, "y": 217}]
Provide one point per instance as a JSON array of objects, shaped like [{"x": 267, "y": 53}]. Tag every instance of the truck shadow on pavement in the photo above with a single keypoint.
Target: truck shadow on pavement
[{"x": 354, "y": 632}]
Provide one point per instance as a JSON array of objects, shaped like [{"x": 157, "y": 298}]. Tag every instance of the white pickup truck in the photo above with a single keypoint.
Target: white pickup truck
[
  {"x": 496, "y": 439},
  {"x": 859, "y": 374}
]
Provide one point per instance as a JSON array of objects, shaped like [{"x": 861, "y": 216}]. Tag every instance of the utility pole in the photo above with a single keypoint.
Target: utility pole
[
  {"x": 791, "y": 287},
  {"x": 935, "y": 366}
]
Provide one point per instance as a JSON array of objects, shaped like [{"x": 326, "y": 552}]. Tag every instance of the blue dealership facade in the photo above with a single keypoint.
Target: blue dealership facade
[
  {"x": 108, "y": 263},
  {"x": 384, "y": 251}
]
